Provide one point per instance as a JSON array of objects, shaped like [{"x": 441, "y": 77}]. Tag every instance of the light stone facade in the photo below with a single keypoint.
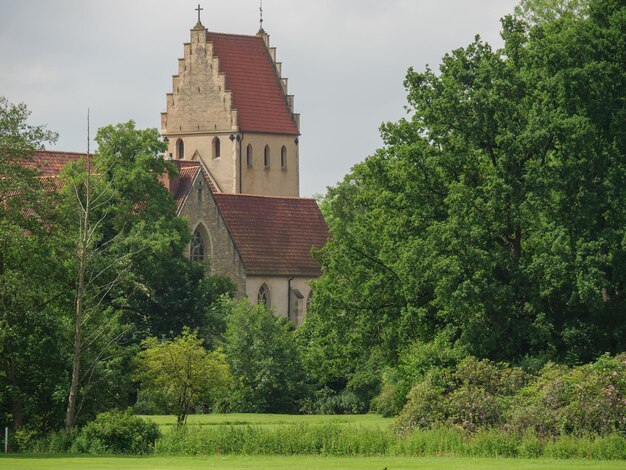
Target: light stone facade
[{"x": 200, "y": 109}]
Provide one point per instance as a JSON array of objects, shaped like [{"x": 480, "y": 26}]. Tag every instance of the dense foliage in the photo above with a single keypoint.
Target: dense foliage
[
  {"x": 263, "y": 358},
  {"x": 179, "y": 376},
  {"x": 91, "y": 263},
  {"x": 116, "y": 432},
  {"x": 584, "y": 400},
  {"x": 492, "y": 222}
]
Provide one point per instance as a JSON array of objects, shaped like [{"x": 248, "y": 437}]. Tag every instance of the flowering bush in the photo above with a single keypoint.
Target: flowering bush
[
  {"x": 478, "y": 394},
  {"x": 588, "y": 399}
]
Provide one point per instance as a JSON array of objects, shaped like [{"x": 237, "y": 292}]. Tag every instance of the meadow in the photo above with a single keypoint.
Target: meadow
[
  {"x": 367, "y": 421},
  {"x": 300, "y": 462}
]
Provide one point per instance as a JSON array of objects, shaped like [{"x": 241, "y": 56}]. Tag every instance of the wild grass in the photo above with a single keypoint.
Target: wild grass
[{"x": 342, "y": 440}]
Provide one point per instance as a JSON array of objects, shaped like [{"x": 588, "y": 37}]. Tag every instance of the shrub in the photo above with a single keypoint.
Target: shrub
[
  {"x": 327, "y": 401},
  {"x": 425, "y": 408},
  {"x": 588, "y": 399},
  {"x": 417, "y": 361},
  {"x": 477, "y": 394},
  {"x": 116, "y": 432}
]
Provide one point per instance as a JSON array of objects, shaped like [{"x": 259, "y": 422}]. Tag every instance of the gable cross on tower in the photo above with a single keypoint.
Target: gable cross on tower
[{"x": 199, "y": 9}]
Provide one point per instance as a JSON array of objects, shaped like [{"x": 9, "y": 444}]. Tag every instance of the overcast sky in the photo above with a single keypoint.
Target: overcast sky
[{"x": 345, "y": 60}]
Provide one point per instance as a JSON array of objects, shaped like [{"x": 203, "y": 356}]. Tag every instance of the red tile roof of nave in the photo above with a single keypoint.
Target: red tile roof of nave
[
  {"x": 252, "y": 78},
  {"x": 275, "y": 235}
]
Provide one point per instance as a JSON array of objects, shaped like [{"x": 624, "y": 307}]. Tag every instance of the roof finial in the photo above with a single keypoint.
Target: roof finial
[
  {"x": 261, "y": 17},
  {"x": 199, "y": 10}
]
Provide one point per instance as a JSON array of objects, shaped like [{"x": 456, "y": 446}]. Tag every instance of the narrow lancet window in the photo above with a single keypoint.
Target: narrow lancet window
[
  {"x": 249, "y": 155},
  {"x": 216, "y": 147},
  {"x": 266, "y": 157},
  {"x": 197, "y": 247},
  {"x": 264, "y": 295}
]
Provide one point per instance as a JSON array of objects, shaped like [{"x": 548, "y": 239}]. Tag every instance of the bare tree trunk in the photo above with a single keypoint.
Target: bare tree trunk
[
  {"x": 82, "y": 253},
  {"x": 70, "y": 416}
]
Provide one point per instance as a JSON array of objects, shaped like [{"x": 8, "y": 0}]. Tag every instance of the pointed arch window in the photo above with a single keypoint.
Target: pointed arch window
[
  {"x": 283, "y": 158},
  {"x": 197, "y": 247},
  {"x": 216, "y": 147},
  {"x": 264, "y": 295},
  {"x": 249, "y": 155},
  {"x": 266, "y": 157},
  {"x": 180, "y": 149}
]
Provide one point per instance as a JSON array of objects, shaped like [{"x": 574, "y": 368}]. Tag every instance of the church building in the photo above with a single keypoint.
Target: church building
[{"x": 232, "y": 132}]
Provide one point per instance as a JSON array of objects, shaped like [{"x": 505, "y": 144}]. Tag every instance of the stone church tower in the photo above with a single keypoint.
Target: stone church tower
[
  {"x": 229, "y": 108},
  {"x": 233, "y": 135}
]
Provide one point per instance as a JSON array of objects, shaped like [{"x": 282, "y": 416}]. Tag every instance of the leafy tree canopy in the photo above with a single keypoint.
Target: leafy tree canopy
[{"x": 493, "y": 218}]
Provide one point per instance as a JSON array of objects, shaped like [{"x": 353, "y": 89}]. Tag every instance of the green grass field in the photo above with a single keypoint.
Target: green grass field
[
  {"x": 301, "y": 463},
  {"x": 369, "y": 421}
]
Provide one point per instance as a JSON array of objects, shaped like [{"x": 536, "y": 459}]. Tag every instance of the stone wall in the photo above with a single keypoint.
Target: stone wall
[
  {"x": 278, "y": 287},
  {"x": 221, "y": 254}
]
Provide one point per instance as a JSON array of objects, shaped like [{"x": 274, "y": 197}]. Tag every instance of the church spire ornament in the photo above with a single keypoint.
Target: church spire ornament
[
  {"x": 199, "y": 23},
  {"x": 261, "y": 30}
]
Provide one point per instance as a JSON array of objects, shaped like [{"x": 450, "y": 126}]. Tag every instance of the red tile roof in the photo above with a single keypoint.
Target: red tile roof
[
  {"x": 275, "y": 235},
  {"x": 180, "y": 185},
  {"x": 50, "y": 163},
  {"x": 252, "y": 78}
]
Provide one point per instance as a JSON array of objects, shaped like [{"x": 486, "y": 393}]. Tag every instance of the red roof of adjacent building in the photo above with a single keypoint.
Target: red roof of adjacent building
[
  {"x": 275, "y": 235},
  {"x": 50, "y": 162},
  {"x": 252, "y": 78}
]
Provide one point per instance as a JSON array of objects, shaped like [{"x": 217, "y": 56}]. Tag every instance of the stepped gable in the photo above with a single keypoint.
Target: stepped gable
[
  {"x": 252, "y": 77},
  {"x": 275, "y": 235}
]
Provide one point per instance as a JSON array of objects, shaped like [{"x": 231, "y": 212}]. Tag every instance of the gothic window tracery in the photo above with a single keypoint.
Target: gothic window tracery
[
  {"x": 197, "y": 247},
  {"x": 180, "y": 149}
]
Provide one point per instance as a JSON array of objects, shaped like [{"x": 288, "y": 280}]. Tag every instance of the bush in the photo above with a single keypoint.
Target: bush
[
  {"x": 417, "y": 361},
  {"x": 589, "y": 399},
  {"x": 327, "y": 401},
  {"x": 116, "y": 432},
  {"x": 477, "y": 394}
]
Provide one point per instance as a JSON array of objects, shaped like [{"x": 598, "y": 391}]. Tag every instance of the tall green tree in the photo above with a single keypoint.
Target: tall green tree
[
  {"x": 262, "y": 355},
  {"x": 494, "y": 217},
  {"x": 32, "y": 331}
]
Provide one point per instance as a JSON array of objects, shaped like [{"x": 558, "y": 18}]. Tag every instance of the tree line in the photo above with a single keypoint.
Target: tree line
[{"x": 486, "y": 237}]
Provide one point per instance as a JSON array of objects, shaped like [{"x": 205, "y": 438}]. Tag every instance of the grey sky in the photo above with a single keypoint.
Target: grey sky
[{"x": 345, "y": 60}]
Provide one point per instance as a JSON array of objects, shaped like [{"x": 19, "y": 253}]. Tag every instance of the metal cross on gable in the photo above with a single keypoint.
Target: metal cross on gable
[{"x": 199, "y": 10}]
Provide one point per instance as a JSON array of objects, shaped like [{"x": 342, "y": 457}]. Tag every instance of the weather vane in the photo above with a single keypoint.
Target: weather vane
[
  {"x": 261, "y": 16},
  {"x": 199, "y": 10}
]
